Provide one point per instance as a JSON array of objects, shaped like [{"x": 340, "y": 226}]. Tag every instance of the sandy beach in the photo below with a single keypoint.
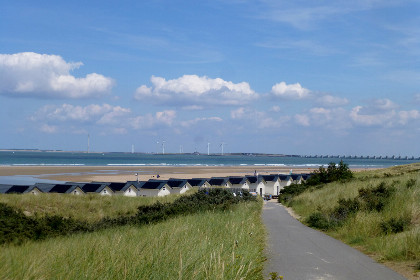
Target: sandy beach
[{"x": 127, "y": 173}]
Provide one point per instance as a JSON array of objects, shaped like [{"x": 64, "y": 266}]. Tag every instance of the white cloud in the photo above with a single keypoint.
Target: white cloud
[
  {"x": 42, "y": 75},
  {"x": 302, "y": 119},
  {"x": 102, "y": 114},
  {"x": 258, "y": 119},
  {"x": 365, "y": 119},
  {"x": 291, "y": 91},
  {"x": 331, "y": 101},
  {"x": 199, "y": 120},
  {"x": 164, "y": 118},
  {"x": 275, "y": 109},
  {"x": 406, "y": 116},
  {"x": 194, "y": 90},
  {"x": 48, "y": 128},
  {"x": 335, "y": 119},
  {"x": 384, "y": 104}
]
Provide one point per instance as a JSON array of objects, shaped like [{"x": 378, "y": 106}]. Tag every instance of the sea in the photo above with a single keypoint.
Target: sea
[
  {"x": 42, "y": 158},
  {"x": 56, "y": 158}
]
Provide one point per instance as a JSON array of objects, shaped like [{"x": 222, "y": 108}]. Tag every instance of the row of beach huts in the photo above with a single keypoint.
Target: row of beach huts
[{"x": 262, "y": 185}]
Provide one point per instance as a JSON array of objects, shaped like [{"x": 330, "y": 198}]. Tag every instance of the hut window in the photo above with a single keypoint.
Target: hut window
[{"x": 129, "y": 190}]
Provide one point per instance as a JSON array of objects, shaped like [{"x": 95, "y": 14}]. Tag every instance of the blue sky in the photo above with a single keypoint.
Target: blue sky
[{"x": 292, "y": 77}]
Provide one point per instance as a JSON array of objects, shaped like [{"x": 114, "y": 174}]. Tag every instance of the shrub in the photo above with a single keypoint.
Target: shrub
[
  {"x": 320, "y": 220},
  {"x": 410, "y": 183},
  {"x": 15, "y": 227},
  {"x": 394, "y": 225},
  {"x": 345, "y": 208},
  {"x": 330, "y": 174},
  {"x": 375, "y": 198}
]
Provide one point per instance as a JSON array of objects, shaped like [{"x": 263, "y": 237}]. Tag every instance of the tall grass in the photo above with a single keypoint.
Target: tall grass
[
  {"x": 366, "y": 228},
  {"x": 208, "y": 245},
  {"x": 88, "y": 208}
]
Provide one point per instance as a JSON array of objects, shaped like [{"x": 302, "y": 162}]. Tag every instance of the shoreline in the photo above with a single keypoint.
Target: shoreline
[{"x": 127, "y": 173}]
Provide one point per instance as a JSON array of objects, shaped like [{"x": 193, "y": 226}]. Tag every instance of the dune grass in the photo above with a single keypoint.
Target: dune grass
[
  {"x": 208, "y": 245},
  {"x": 90, "y": 208},
  {"x": 365, "y": 229}
]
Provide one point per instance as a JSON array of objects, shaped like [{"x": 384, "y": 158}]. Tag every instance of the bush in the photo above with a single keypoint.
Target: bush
[
  {"x": 410, "y": 183},
  {"x": 319, "y": 220},
  {"x": 375, "y": 198},
  {"x": 345, "y": 208},
  {"x": 16, "y": 228},
  {"x": 394, "y": 225},
  {"x": 331, "y": 174}
]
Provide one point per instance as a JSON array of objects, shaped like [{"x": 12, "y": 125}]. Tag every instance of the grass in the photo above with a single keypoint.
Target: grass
[
  {"x": 391, "y": 234},
  {"x": 90, "y": 208},
  {"x": 208, "y": 245}
]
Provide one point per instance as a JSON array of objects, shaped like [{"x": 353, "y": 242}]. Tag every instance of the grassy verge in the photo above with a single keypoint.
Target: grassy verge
[
  {"x": 89, "y": 208},
  {"x": 208, "y": 245},
  {"x": 377, "y": 211}
]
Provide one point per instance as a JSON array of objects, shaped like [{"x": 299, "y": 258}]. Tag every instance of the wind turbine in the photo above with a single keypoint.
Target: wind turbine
[
  {"x": 163, "y": 147},
  {"x": 208, "y": 148},
  {"x": 157, "y": 147},
  {"x": 222, "y": 145}
]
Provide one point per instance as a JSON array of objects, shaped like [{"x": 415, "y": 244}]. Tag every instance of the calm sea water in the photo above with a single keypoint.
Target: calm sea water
[{"x": 22, "y": 158}]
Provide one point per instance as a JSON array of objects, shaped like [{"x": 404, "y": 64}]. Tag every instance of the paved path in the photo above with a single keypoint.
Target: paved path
[{"x": 298, "y": 252}]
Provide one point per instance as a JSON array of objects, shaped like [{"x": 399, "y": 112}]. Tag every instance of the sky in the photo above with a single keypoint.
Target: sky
[{"x": 262, "y": 76}]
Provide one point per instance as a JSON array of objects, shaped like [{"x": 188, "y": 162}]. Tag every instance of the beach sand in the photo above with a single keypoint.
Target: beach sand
[{"x": 127, "y": 173}]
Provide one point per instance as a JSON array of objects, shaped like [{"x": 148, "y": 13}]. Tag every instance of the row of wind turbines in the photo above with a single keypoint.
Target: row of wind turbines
[{"x": 181, "y": 147}]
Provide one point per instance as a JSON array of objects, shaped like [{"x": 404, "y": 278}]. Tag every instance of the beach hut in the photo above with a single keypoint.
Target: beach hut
[
  {"x": 154, "y": 188},
  {"x": 272, "y": 184},
  {"x": 129, "y": 188},
  {"x": 179, "y": 186},
  {"x": 219, "y": 182},
  {"x": 297, "y": 178},
  {"x": 285, "y": 180},
  {"x": 198, "y": 183},
  {"x": 239, "y": 182},
  {"x": 67, "y": 189},
  {"x": 257, "y": 184},
  {"x": 99, "y": 188},
  {"x": 45, "y": 187},
  {"x": 24, "y": 189},
  {"x": 4, "y": 188}
]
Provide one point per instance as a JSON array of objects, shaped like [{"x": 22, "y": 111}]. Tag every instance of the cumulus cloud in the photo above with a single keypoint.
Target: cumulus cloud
[
  {"x": 331, "y": 101},
  {"x": 164, "y": 118},
  {"x": 101, "y": 114},
  {"x": 117, "y": 119},
  {"x": 48, "y": 128},
  {"x": 259, "y": 119},
  {"x": 42, "y": 75},
  {"x": 190, "y": 90},
  {"x": 366, "y": 119},
  {"x": 334, "y": 119},
  {"x": 200, "y": 120},
  {"x": 291, "y": 91}
]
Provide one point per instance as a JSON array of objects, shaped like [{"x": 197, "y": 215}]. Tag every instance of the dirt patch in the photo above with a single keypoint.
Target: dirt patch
[{"x": 291, "y": 212}]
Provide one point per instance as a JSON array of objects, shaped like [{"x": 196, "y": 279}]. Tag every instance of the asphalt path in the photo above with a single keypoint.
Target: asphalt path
[{"x": 298, "y": 252}]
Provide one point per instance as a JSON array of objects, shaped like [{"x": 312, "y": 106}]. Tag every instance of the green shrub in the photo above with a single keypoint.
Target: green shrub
[
  {"x": 320, "y": 220},
  {"x": 345, "y": 208},
  {"x": 410, "y": 183},
  {"x": 15, "y": 227},
  {"x": 330, "y": 174},
  {"x": 394, "y": 225},
  {"x": 375, "y": 198}
]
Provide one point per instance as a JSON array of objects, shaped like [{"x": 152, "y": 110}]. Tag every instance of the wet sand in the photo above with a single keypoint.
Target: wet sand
[{"x": 127, "y": 173}]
